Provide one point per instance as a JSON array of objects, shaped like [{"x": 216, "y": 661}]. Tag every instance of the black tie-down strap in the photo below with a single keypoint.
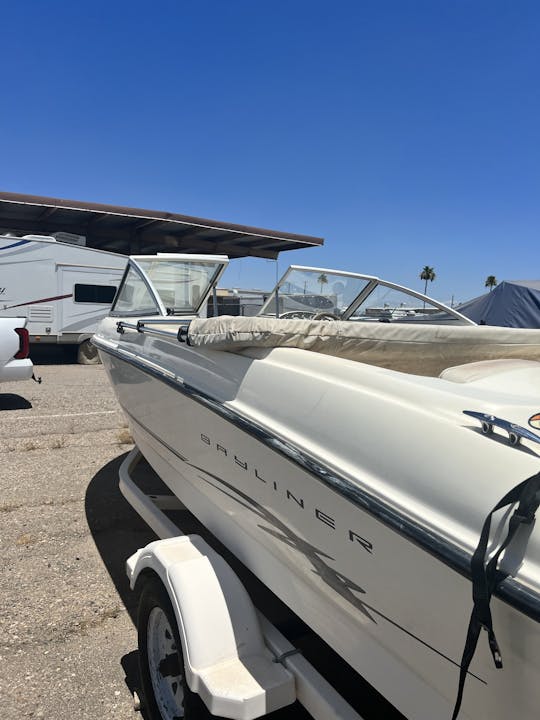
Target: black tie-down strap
[{"x": 485, "y": 577}]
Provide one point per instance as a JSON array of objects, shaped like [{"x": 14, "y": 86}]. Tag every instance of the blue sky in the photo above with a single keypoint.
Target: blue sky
[{"x": 405, "y": 132}]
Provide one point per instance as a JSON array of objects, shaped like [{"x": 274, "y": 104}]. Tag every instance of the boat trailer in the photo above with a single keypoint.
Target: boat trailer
[{"x": 233, "y": 657}]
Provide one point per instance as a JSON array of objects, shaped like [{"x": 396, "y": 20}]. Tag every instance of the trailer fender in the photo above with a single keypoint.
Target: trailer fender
[{"x": 226, "y": 659}]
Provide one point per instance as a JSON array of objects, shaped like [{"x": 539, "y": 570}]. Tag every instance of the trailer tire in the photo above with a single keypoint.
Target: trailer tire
[
  {"x": 87, "y": 354},
  {"x": 166, "y": 695}
]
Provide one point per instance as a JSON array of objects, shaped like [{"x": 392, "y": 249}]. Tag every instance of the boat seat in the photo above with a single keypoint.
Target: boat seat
[{"x": 517, "y": 376}]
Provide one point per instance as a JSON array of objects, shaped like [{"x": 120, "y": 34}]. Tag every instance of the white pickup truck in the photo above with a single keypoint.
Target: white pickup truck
[{"x": 14, "y": 349}]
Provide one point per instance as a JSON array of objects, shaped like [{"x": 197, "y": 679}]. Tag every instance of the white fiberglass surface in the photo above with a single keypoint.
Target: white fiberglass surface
[
  {"x": 404, "y": 439},
  {"x": 312, "y": 547}
]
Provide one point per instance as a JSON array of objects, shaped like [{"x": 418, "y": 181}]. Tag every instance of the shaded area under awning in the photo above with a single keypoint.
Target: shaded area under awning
[{"x": 137, "y": 231}]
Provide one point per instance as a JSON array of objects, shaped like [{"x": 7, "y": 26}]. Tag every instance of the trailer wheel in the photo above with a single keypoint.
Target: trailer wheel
[
  {"x": 161, "y": 663},
  {"x": 87, "y": 354}
]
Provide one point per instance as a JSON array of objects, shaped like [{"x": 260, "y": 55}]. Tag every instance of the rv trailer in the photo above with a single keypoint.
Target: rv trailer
[{"x": 63, "y": 289}]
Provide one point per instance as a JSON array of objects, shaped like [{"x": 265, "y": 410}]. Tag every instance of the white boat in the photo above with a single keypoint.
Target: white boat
[{"x": 357, "y": 493}]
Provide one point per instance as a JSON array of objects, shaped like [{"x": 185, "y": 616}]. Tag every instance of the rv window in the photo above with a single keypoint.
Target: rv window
[{"x": 94, "y": 293}]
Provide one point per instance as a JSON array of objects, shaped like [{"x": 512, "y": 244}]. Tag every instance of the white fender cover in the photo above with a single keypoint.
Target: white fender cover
[{"x": 226, "y": 660}]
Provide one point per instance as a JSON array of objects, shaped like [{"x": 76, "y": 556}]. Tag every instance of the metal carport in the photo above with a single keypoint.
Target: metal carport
[{"x": 134, "y": 230}]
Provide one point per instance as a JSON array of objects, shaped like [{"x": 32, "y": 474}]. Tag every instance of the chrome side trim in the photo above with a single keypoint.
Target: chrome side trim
[{"x": 510, "y": 590}]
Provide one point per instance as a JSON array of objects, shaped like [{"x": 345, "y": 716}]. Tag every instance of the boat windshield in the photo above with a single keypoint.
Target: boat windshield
[
  {"x": 305, "y": 293},
  {"x": 321, "y": 294},
  {"x": 179, "y": 284}
]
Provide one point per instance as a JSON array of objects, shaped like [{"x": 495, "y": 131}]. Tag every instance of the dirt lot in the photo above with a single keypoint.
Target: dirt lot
[{"x": 67, "y": 638}]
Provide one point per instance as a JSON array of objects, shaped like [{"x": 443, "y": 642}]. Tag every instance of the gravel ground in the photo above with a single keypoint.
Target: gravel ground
[{"x": 67, "y": 637}]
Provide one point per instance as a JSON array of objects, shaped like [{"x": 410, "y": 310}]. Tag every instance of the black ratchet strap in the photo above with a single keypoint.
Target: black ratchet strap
[{"x": 486, "y": 577}]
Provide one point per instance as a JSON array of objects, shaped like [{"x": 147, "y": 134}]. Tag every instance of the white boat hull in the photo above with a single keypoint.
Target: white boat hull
[{"x": 393, "y": 603}]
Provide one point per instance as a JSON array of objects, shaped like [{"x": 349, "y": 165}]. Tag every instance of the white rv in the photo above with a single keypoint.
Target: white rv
[{"x": 63, "y": 289}]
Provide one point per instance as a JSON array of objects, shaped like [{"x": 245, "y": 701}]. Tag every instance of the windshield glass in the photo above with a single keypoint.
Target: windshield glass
[
  {"x": 134, "y": 296},
  {"x": 181, "y": 286},
  {"x": 388, "y": 304},
  {"x": 303, "y": 293},
  {"x": 317, "y": 294}
]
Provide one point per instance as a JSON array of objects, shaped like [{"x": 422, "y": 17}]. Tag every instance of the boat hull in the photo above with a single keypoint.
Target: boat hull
[{"x": 393, "y": 606}]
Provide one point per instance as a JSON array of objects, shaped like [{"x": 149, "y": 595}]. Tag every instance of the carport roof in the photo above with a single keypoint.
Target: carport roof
[{"x": 134, "y": 230}]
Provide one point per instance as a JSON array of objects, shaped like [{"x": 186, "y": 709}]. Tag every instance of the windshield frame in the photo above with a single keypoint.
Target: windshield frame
[
  {"x": 134, "y": 262},
  {"x": 371, "y": 282}
]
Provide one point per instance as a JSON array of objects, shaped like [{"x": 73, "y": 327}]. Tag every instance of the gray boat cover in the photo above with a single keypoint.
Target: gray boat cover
[
  {"x": 513, "y": 303},
  {"x": 420, "y": 349}
]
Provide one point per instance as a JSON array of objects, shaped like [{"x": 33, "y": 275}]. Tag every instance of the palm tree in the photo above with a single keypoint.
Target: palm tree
[
  {"x": 491, "y": 281},
  {"x": 322, "y": 280},
  {"x": 427, "y": 274}
]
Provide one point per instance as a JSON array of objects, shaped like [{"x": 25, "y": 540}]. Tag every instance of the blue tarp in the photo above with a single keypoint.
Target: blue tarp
[{"x": 512, "y": 303}]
